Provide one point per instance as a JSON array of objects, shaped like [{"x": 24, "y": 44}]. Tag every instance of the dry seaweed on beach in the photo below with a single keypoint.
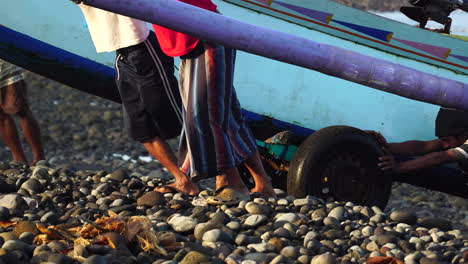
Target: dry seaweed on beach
[{"x": 134, "y": 229}]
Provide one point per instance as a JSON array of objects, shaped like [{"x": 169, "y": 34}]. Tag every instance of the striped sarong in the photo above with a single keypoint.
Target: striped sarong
[
  {"x": 215, "y": 135},
  {"x": 9, "y": 73}
]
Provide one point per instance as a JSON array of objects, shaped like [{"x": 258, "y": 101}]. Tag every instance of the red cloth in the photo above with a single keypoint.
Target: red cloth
[
  {"x": 174, "y": 43},
  {"x": 383, "y": 260}
]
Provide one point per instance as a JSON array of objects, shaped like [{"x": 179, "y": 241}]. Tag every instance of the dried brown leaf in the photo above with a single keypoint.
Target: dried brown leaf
[{"x": 7, "y": 223}]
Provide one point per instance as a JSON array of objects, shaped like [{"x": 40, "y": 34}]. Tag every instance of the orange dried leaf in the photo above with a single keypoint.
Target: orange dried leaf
[
  {"x": 41, "y": 239},
  {"x": 6, "y": 224},
  {"x": 50, "y": 232},
  {"x": 112, "y": 214}
]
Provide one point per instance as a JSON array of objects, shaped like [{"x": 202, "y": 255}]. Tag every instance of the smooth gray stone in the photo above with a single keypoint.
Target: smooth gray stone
[
  {"x": 50, "y": 218},
  {"x": 404, "y": 216},
  {"x": 217, "y": 235},
  {"x": 326, "y": 258},
  {"x": 255, "y": 220},
  {"x": 14, "y": 203},
  {"x": 12, "y": 245},
  {"x": 338, "y": 213},
  {"x": 33, "y": 186},
  {"x": 183, "y": 223},
  {"x": 119, "y": 175},
  {"x": 290, "y": 252},
  {"x": 256, "y": 208},
  {"x": 56, "y": 246}
]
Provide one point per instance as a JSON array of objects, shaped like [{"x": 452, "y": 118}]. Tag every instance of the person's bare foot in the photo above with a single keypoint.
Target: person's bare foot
[
  {"x": 189, "y": 188},
  {"x": 264, "y": 191},
  {"x": 34, "y": 162},
  {"x": 231, "y": 179}
]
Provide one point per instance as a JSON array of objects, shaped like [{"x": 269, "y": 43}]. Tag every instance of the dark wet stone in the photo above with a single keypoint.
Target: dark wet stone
[
  {"x": 56, "y": 246},
  {"x": 151, "y": 199},
  {"x": 99, "y": 249},
  {"x": 6, "y": 187},
  {"x": 118, "y": 209},
  {"x": 27, "y": 237},
  {"x": 60, "y": 259},
  {"x": 220, "y": 218},
  {"x": 4, "y": 213},
  {"x": 119, "y": 175},
  {"x": 200, "y": 213},
  {"x": 180, "y": 255},
  {"x": 4, "y": 166},
  {"x": 144, "y": 258},
  {"x": 179, "y": 204},
  {"x": 404, "y": 216},
  {"x": 333, "y": 234},
  {"x": 50, "y": 218},
  {"x": 406, "y": 246},
  {"x": 162, "y": 215},
  {"x": 432, "y": 222},
  {"x": 97, "y": 259},
  {"x": 385, "y": 238},
  {"x": 33, "y": 186},
  {"x": 91, "y": 205},
  {"x": 135, "y": 183}
]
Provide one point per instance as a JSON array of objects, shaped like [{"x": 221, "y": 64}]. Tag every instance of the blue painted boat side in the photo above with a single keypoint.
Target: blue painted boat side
[
  {"x": 315, "y": 100},
  {"x": 302, "y": 97},
  {"x": 368, "y": 29}
]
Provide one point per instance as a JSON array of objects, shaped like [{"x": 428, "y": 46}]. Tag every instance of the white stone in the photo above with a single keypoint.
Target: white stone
[
  {"x": 288, "y": 217},
  {"x": 338, "y": 213},
  {"x": 255, "y": 220},
  {"x": 326, "y": 258},
  {"x": 182, "y": 223}
]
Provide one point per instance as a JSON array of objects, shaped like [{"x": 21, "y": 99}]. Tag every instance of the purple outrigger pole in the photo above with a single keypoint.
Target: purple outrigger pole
[{"x": 372, "y": 72}]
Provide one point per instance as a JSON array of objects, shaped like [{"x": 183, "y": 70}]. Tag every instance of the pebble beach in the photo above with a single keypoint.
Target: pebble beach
[{"x": 92, "y": 201}]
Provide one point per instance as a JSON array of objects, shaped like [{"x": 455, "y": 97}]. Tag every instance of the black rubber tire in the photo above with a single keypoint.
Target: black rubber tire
[{"x": 340, "y": 162}]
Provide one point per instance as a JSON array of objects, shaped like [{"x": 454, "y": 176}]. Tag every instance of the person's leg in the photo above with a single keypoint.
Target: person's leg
[
  {"x": 262, "y": 180},
  {"x": 9, "y": 133},
  {"x": 141, "y": 89},
  {"x": 29, "y": 123},
  {"x": 440, "y": 178},
  {"x": 160, "y": 150},
  {"x": 241, "y": 137},
  {"x": 231, "y": 178},
  {"x": 206, "y": 117}
]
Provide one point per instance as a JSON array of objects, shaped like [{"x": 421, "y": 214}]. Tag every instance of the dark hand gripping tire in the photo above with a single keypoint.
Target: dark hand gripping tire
[{"x": 340, "y": 162}]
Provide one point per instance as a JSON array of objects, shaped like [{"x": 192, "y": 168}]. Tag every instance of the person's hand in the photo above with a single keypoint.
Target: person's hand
[{"x": 387, "y": 163}]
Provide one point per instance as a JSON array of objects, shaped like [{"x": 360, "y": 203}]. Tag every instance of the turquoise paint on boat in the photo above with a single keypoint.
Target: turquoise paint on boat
[{"x": 285, "y": 92}]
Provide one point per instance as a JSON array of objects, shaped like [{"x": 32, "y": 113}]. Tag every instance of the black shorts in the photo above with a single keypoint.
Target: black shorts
[{"x": 149, "y": 91}]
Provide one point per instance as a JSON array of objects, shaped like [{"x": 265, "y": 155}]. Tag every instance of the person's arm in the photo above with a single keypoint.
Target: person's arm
[
  {"x": 408, "y": 148},
  {"x": 415, "y": 147},
  {"x": 426, "y": 161}
]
